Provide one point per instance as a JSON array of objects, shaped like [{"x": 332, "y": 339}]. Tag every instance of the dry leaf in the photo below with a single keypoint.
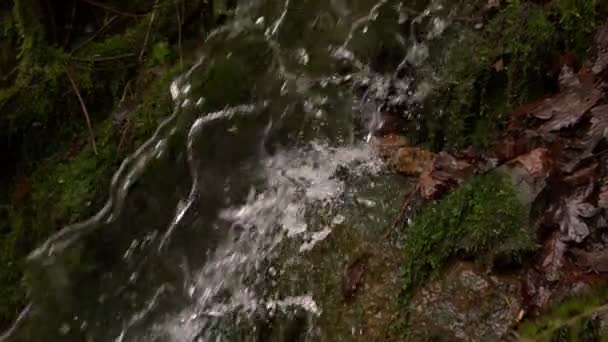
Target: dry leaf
[
  {"x": 493, "y": 4},
  {"x": 572, "y": 211},
  {"x": 599, "y": 127},
  {"x": 566, "y": 108},
  {"x": 412, "y": 160},
  {"x": 596, "y": 260},
  {"x": 602, "y": 200},
  {"x": 352, "y": 279},
  {"x": 446, "y": 171},
  {"x": 568, "y": 79},
  {"x": 601, "y": 40},
  {"x": 553, "y": 256},
  {"x": 537, "y": 162}
]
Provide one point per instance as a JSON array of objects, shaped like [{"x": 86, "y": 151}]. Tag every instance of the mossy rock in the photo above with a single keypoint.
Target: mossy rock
[{"x": 472, "y": 222}]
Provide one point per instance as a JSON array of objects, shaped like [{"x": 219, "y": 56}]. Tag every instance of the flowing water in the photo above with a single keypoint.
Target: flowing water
[{"x": 268, "y": 150}]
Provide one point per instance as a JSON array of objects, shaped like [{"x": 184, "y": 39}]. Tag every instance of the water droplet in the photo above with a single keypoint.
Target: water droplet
[{"x": 338, "y": 219}]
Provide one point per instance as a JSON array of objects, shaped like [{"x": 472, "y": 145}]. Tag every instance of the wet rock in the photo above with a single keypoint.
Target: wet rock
[{"x": 465, "y": 304}]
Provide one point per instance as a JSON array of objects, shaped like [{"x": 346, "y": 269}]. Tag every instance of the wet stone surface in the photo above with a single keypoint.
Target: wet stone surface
[{"x": 465, "y": 304}]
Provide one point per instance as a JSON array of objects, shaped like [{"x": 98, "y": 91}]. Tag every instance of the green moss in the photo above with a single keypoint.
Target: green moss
[
  {"x": 575, "y": 319},
  {"x": 471, "y": 222},
  {"x": 474, "y": 95},
  {"x": 67, "y": 188},
  {"x": 578, "y": 19}
]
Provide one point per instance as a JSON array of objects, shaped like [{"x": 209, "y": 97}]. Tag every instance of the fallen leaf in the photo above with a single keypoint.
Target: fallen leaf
[
  {"x": 493, "y": 4},
  {"x": 571, "y": 212},
  {"x": 554, "y": 251},
  {"x": 602, "y": 200},
  {"x": 586, "y": 77},
  {"x": 583, "y": 176},
  {"x": 599, "y": 127},
  {"x": 352, "y": 279},
  {"x": 537, "y": 162},
  {"x": 600, "y": 64},
  {"x": 412, "y": 160},
  {"x": 446, "y": 171},
  {"x": 595, "y": 260},
  {"x": 568, "y": 79},
  {"x": 566, "y": 108},
  {"x": 388, "y": 145}
]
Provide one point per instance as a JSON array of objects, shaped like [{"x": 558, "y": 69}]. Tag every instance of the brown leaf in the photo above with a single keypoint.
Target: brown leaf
[
  {"x": 586, "y": 77},
  {"x": 537, "y": 162},
  {"x": 430, "y": 185},
  {"x": 601, "y": 61},
  {"x": 493, "y": 4},
  {"x": 595, "y": 260},
  {"x": 568, "y": 79},
  {"x": 352, "y": 279},
  {"x": 412, "y": 160},
  {"x": 566, "y": 108},
  {"x": 583, "y": 176},
  {"x": 446, "y": 171},
  {"x": 599, "y": 127},
  {"x": 602, "y": 200},
  {"x": 553, "y": 256},
  {"x": 570, "y": 213}
]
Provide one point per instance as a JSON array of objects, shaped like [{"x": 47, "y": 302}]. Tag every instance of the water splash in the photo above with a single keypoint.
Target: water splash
[{"x": 196, "y": 216}]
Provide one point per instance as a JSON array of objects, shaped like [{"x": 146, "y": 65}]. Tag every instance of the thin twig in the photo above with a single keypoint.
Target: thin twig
[
  {"x": 179, "y": 33},
  {"x": 568, "y": 323},
  {"x": 104, "y": 59},
  {"x": 123, "y": 135},
  {"x": 84, "y": 109},
  {"x": 407, "y": 199},
  {"x": 10, "y": 73},
  {"x": 113, "y": 10},
  {"x": 152, "y": 16},
  {"x": 124, "y": 91}
]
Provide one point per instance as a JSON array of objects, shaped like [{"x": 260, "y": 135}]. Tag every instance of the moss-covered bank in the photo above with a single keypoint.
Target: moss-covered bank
[
  {"x": 120, "y": 59},
  {"x": 490, "y": 65}
]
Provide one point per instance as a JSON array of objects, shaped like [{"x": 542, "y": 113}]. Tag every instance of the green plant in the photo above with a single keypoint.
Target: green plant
[
  {"x": 578, "y": 19},
  {"x": 574, "y": 319}
]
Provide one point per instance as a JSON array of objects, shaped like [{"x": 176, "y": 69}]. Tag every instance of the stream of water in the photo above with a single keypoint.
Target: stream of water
[{"x": 268, "y": 149}]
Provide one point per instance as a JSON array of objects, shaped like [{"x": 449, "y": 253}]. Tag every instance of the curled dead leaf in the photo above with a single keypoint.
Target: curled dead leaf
[
  {"x": 446, "y": 172},
  {"x": 571, "y": 212},
  {"x": 566, "y": 108},
  {"x": 493, "y": 4},
  {"x": 537, "y": 162},
  {"x": 599, "y": 127},
  {"x": 554, "y": 251},
  {"x": 594, "y": 260}
]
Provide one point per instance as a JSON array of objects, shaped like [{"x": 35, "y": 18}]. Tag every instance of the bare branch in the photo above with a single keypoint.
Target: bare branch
[{"x": 84, "y": 109}]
